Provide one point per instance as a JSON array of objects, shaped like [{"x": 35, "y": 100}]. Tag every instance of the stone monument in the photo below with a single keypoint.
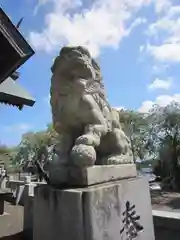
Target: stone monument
[{"x": 93, "y": 190}]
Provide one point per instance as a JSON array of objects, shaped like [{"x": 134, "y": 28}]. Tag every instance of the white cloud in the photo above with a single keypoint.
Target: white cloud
[
  {"x": 103, "y": 24},
  {"x": 166, "y": 31},
  {"x": 161, "y": 5},
  {"x": 160, "y": 84},
  {"x": 165, "y": 52},
  {"x": 159, "y": 68},
  {"x": 162, "y": 100},
  {"x": 119, "y": 108},
  {"x": 141, "y": 48},
  {"x": 40, "y": 4},
  {"x": 146, "y": 106},
  {"x": 21, "y": 127}
]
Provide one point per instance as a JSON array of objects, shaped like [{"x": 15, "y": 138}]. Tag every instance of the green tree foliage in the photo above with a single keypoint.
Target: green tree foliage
[
  {"x": 165, "y": 132},
  {"x": 135, "y": 126},
  {"x": 6, "y": 155},
  {"x": 33, "y": 145}
]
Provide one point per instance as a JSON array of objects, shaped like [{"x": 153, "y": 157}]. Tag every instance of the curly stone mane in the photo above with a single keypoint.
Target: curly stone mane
[{"x": 65, "y": 79}]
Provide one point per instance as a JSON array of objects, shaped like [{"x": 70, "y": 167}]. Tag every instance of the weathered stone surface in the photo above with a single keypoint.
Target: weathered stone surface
[
  {"x": 94, "y": 213},
  {"x": 58, "y": 214},
  {"x": 101, "y": 174},
  {"x": 89, "y": 129},
  {"x": 79, "y": 177},
  {"x": 166, "y": 224},
  {"x": 28, "y": 209},
  {"x": 59, "y": 175},
  {"x": 105, "y": 210}
]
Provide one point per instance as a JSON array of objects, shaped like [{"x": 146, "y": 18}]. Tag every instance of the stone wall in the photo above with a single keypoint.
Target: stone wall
[{"x": 166, "y": 225}]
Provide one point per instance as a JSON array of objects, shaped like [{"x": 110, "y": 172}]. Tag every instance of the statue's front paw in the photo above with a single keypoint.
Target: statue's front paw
[
  {"x": 88, "y": 139},
  {"x": 82, "y": 155},
  {"x": 116, "y": 159}
]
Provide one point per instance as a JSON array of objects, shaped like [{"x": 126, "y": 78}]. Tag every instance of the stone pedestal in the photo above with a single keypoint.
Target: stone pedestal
[
  {"x": 83, "y": 177},
  {"x": 109, "y": 211}
]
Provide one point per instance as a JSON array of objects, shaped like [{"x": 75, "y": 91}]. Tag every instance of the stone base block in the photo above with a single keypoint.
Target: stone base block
[
  {"x": 82, "y": 177},
  {"x": 119, "y": 210}
]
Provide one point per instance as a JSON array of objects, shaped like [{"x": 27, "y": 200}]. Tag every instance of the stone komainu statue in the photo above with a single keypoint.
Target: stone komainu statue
[{"x": 89, "y": 129}]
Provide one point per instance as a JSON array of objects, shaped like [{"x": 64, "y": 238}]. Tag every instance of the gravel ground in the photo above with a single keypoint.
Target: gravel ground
[
  {"x": 167, "y": 201},
  {"x": 11, "y": 223}
]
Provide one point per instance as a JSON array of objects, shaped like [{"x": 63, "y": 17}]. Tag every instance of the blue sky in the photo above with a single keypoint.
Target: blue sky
[{"x": 137, "y": 44}]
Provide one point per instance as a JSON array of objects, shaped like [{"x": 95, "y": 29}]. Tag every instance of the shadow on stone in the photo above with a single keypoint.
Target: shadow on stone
[
  {"x": 10, "y": 199},
  {"x": 17, "y": 236}
]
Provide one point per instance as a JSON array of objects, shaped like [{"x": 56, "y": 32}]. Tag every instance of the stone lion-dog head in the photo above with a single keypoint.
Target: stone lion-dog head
[{"x": 76, "y": 63}]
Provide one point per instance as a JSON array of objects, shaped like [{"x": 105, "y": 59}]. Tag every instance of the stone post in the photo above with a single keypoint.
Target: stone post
[
  {"x": 27, "y": 179},
  {"x": 3, "y": 183},
  {"x": 28, "y": 210}
]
